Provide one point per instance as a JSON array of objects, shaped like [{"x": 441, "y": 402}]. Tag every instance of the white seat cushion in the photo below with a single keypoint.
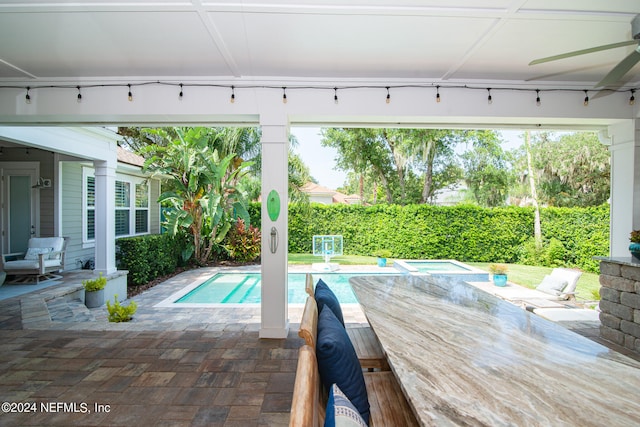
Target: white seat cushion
[
  {"x": 32, "y": 253},
  {"x": 571, "y": 276},
  {"x": 53, "y": 244},
  {"x": 25, "y": 264},
  {"x": 552, "y": 285}
]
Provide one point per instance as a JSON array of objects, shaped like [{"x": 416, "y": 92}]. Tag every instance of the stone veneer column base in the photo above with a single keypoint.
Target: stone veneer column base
[{"x": 620, "y": 302}]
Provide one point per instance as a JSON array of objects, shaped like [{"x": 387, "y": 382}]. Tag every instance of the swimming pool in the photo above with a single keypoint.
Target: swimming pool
[
  {"x": 246, "y": 288},
  {"x": 442, "y": 268}
]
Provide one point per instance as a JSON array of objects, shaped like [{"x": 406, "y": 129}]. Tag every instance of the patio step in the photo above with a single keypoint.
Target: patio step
[{"x": 63, "y": 310}]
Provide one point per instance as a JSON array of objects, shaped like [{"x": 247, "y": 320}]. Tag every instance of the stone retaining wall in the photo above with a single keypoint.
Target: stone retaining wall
[{"x": 620, "y": 303}]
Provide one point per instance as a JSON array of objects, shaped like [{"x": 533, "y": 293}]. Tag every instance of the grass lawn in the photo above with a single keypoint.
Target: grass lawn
[{"x": 525, "y": 275}]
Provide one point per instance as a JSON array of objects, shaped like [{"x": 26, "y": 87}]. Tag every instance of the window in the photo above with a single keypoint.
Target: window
[
  {"x": 123, "y": 207},
  {"x": 131, "y": 205},
  {"x": 90, "y": 233},
  {"x": 142, "y": 208}
]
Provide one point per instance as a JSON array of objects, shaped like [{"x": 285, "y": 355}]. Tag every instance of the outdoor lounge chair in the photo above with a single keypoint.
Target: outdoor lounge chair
[
  {"x": 44, "y": 256},
  {"x": 561, "y": 284}
]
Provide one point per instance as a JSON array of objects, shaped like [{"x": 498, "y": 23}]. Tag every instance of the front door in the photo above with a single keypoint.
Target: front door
[{"x": 19, "y": 201}]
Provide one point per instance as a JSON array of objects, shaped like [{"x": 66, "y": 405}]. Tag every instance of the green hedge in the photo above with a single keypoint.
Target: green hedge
[
  {"x": 465, "y": 233},
  {"x": 148, "y": 257}
]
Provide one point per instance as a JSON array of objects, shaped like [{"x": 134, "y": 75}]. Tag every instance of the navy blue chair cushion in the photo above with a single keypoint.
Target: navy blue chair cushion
[
  {"x": 338, "y": 363},
  {"x": 325, "y": 296}
]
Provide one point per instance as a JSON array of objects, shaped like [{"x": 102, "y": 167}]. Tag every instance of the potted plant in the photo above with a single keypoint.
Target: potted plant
[
  {"x": 382, "y": 255},
  {"x": 634, "y": 246},
  {"x": 499, "y": 272},
  {"x": 94, "y": 291}
]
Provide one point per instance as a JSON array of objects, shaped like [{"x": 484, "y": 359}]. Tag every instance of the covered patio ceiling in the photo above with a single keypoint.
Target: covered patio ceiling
[{"x": 298, "y": 41}]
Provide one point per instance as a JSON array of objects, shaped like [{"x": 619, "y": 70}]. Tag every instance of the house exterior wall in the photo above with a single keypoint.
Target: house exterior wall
[
  {"x": 154, "y": 207},
  {"x": 71, "y": 190},
  {"x": 324, "y": 199},
  {"x": 71, "y": 215},
  {"x": 45, "y": 159}
]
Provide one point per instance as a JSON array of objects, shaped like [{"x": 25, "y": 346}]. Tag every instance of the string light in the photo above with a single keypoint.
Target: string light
[{"x": 79, "y": 88}]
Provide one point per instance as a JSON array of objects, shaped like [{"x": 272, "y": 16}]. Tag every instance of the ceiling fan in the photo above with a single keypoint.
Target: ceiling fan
[{"x": 619, "y": 70}]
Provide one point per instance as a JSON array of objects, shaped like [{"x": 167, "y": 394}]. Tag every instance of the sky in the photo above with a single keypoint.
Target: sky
[{"x": 321, "y": 160}]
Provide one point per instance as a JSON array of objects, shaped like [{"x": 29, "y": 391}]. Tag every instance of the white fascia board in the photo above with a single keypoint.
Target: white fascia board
[{"x": 91, "y": 143}]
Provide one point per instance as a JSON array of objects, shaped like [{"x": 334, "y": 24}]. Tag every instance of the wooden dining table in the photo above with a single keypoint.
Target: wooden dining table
[{"x": 465, "y": 357}]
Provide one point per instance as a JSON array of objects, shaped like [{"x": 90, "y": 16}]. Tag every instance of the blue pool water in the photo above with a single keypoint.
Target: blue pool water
[
  {"x": 436, "y": 266},
  {"x": 245, "y": 288}
]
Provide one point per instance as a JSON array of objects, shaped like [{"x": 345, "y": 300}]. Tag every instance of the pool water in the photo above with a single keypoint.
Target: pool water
[
  {"x": 436, "y": 266},
  {"x": 245, "y": 288}
]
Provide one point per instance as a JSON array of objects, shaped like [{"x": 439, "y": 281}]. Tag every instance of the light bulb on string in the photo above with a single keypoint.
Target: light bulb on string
[
  {"x": 284, "y": 95},
  {"x": 79, "y": 98},
  {"x": 130, "y": 95},
  {"x": 538, "y": 102},
  {"x": 181, "y": 94},
  {"x": 632, "y": 99},
  {"x": 233, "y": 95},
  {"x": 27, "y": 97},
  {"x": 489, "y": 98},
  {"x": 586, "y": 99},
  {"x": 437, "y": 93},
  {"x": 388, "y": 96},
  {"x": 335, "y": 95}
]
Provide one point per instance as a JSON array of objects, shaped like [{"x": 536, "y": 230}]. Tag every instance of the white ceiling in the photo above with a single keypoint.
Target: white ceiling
[{"x": 299, "y": 40}]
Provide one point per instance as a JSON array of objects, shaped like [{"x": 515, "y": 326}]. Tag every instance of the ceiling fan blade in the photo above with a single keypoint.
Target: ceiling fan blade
[
  {"x": 621, "y": 69},
  {"x": 583, "y": 52}
]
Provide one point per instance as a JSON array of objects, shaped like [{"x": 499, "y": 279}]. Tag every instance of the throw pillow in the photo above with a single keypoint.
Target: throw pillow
[
  {"x": 324, "y": 295},
  {"x": 552, "y": 285},
  {"x": 340, "y": 411},
  {"x": 32, "y": 253},
  {"x": 338, "y": 362}
]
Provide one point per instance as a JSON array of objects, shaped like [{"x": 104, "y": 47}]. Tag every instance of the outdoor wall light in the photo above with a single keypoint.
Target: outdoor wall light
[
  {"x": 437, "y": 93},
  {"x": 79, "y": 98},
  {"x": 27, "y": 97},
  {"x": 388, "y": 96},
  {"x": 538, "y": 102},
  {"x": 181, "y": 94},
  {"x": 130, "y": 95},
  {"x": 284, "y": 95},
  {"x": 489, "y": 99},
  {"x": 233, "y": 95},
  {"x": 632, "y": 100},
  {"x": 586, "y": 99}
]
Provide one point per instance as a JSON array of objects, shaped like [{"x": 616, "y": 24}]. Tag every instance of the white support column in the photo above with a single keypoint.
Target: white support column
[
  {"x": 275, "y": 149},
  {"x": 105, "y": 249},
  {"x": 625, "y": 185}
]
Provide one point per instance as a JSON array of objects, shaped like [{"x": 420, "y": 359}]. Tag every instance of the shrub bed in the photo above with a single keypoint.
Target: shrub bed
[{"x": 148, "y": 257}]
